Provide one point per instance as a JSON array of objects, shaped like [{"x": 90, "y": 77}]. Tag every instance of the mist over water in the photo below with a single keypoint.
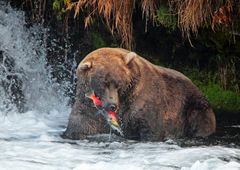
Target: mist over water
[{"x": 31, "y": 140}]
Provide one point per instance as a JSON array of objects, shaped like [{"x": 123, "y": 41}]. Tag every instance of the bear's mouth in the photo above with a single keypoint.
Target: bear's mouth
[{"x": 109, "y": 115}]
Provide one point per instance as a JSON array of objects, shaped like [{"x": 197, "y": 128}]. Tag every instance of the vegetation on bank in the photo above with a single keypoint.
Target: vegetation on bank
[
  {"x": 187, "y": 15},
  {"x": 219, "y": 98}
]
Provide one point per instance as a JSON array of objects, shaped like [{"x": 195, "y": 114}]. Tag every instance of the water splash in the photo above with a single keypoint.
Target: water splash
[{"x": 24, "y": 76}]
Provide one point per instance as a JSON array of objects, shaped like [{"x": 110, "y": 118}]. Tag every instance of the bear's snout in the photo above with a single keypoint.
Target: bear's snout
[{"x": 111, "y": 107}]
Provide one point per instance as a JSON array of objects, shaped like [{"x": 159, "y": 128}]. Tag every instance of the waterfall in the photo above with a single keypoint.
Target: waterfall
[{"x": 25, "y": 77}]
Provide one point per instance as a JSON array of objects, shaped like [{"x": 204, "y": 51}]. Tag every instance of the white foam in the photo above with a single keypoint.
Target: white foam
[
  {"x": 236, "y": 126},
  {"x": 215, "y": 164},
  {"x": 31, "y": 141}
]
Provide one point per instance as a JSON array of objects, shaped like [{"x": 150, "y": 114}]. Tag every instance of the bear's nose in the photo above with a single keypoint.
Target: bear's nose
[{"x": 111, "y": 107}]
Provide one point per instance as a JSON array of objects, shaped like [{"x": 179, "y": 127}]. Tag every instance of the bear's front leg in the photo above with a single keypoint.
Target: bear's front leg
[{"x": 83, "y": 122}]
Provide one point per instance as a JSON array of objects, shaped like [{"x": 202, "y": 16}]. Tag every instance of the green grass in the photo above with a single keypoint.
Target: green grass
[
  {"x": 165, "y": 18},
  {"x": 219, "y": 98},
  {"x": 97, "y": 40}
]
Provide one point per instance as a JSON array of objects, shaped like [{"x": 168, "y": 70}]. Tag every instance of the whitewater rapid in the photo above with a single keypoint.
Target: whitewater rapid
[{"x": 31, "y": 140}]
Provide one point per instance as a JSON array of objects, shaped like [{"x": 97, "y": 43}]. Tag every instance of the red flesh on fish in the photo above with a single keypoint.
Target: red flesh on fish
[
  {"x": 96, "y": 100},
  {"x": 98, "y": 103},
  {"x": 112, "y": 115}
]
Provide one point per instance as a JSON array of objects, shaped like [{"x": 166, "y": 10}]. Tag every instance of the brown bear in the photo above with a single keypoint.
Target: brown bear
[{"x": 152, "y": 102}]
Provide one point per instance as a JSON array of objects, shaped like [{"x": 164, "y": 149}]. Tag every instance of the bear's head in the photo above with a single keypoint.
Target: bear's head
[{"x": 109, "y": 74}]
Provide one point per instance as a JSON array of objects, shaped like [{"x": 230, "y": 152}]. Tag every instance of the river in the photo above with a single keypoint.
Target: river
[{"x": 31, "y": 140}]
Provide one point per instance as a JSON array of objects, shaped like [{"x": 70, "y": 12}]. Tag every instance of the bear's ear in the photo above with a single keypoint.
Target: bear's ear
[
  {"x": 84, "y": 67},
  {"x": 129, "y": 57}
]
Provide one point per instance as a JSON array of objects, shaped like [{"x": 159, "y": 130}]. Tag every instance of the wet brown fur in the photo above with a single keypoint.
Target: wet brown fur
[{"x": 154, "y": 102}]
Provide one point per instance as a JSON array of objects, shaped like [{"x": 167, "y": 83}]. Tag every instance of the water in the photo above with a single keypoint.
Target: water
[{"x": 31, "y": 140}]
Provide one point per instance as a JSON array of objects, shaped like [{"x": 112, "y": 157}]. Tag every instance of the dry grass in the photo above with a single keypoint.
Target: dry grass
[
  {"x": 222, "y": 16},
  {"x": 192, "y": 14},
  {"x": 118, "y": 14}
]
